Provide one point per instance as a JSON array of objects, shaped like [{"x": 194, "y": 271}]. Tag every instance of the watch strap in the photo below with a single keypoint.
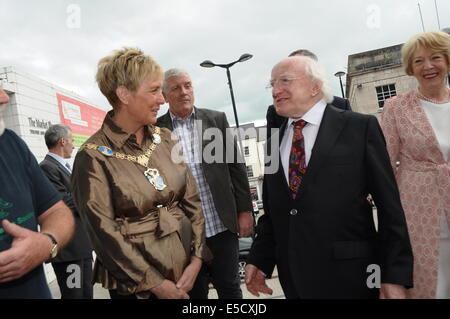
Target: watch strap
[{"x": 52, "y": 238}]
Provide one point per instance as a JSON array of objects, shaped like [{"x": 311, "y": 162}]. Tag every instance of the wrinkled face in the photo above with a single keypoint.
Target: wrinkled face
[
  {"x": 293, "y": 91},
  {"x": 430, "y": 69},
  {"x": 144, "y": 103},
  {"x": 68, "y": 145},
  {"x": 179, "y": 94}
]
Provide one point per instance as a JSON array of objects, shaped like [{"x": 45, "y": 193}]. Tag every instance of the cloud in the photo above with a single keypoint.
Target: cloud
[{"x": 39, "y": 38}]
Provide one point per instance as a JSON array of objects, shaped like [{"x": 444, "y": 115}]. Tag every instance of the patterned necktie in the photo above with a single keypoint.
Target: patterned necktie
[
  {"x": 68, "y": 167},
  {"x": 297, "y": 161}
]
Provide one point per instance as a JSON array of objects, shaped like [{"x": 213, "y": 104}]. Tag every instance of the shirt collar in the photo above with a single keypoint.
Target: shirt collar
[
  {"x": 313, "y": 116},
  {"x": 115, "y": 133},
  {"x": 176, "y": 118},
  {"x": 60, "y": 160}
]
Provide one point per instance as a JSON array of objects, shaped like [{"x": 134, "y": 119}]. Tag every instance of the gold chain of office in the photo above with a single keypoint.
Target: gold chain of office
[{"x": 141, "y": 159}]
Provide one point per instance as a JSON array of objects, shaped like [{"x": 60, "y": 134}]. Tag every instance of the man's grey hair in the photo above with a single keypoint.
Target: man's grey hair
[
  {"x": 172, "y": 73},
  {"x": 317, "y": 73},
  {"x": 54, "y": 133},
  {"x": 304, "y": 52}
]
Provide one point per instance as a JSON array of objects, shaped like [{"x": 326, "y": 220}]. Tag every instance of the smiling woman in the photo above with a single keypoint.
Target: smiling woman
[
  {"x": 417, "y": 133},
  {"x": 142, "y": 211}
]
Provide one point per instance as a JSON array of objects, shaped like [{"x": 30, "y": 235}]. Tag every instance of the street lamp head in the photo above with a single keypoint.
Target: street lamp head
[
  {"x": 339, "y": 74},
  {"x": 245, "y": 57},
  {"x": 207, "y": 64}
]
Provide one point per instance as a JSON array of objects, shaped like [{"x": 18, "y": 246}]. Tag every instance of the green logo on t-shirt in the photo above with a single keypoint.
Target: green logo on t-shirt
[{"x": 4, "y": 205}]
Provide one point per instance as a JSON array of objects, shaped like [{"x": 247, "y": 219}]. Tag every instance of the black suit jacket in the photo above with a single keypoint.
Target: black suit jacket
[
  {"x": 275, "y": 121},
  {"x": 228, "y": 181},
  {"x": 80, "y": 245},
  {"x": 323, "y": 241}
]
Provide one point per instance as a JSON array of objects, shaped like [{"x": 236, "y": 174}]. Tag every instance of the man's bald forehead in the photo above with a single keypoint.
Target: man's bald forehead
[{"x": 295, "y": 63}]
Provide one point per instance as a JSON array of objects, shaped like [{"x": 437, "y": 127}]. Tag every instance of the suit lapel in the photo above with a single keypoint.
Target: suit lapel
[
  {"x": 166, "y": 121},
  {"x": 204, "y": 124},
  {"x": 330, "y": 128},
  {"x": 58, "y": 164}
]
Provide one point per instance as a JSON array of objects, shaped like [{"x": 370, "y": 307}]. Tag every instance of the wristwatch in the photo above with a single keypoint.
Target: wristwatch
[{"x": 54, "y": 250}]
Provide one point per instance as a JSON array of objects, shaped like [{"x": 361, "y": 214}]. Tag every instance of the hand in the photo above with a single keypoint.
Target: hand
[
  {"x": 391, "y": 291},
  {"x": 28, "y": 250},
  {"x": 245, "y": 220},
  {"x": 168, "y": 290},
  {"x": 187, "y": 280},
  {"x": 256, "y": 281}
]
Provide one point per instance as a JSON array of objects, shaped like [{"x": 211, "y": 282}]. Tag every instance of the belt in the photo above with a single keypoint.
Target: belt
[{"x": 159, "y": 221}]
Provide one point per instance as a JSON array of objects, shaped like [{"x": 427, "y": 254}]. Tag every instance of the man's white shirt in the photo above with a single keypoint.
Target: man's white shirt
[{"x": 313, "y": 117}]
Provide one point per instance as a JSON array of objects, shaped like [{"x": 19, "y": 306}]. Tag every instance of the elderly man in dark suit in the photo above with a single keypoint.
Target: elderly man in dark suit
[
  {"x": 76, "y": 258},
  {"x": 275, "y": 120},
  {"x": 318, "y": 227},
  {"x": 223, "y": 184}
]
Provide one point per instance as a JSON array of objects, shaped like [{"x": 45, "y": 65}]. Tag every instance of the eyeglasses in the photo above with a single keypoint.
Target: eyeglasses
[{"x": 282, "y": 82}]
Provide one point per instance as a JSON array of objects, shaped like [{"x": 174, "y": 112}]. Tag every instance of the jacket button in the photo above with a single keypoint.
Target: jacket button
[{"x": 293, "y": 212}]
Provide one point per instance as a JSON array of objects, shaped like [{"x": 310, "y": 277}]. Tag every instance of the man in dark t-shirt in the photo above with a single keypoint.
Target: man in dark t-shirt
[{"x": 27, "y": 199}]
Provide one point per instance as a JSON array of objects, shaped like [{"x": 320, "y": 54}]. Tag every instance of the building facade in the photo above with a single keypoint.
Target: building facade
[
  {"x": 253, "y": 139},
  {"x": 36, "y": 104},
  {"x": 374, "y": 76}
]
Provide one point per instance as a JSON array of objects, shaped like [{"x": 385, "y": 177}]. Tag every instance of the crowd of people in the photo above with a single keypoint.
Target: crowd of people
[{"x": 165, "y": 229}]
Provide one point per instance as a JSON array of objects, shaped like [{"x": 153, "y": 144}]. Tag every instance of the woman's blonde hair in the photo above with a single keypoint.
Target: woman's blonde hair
[
  {"x": 128, "y": 67},
  {"x": 437, "y": 41}
]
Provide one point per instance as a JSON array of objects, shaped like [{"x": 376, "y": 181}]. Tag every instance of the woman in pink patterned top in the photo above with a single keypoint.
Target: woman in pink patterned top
[{"x": 416, "y": 125}]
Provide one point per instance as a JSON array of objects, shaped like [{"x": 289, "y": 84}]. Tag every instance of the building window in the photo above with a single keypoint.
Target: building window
[
  {"x": 246, "y": 151},
  {"x": 249, "y": 171},
  {"x": 384, "y": 92}
]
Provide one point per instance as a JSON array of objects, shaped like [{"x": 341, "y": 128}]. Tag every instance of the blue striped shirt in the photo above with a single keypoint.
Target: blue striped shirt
[{"x": 185, "y": 131}]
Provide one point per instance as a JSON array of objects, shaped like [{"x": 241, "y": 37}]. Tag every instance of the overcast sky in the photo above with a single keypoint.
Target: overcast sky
[{"x": 62, "y": 41}]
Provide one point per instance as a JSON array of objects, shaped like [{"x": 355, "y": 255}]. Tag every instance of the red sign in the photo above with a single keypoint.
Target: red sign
[{"x": 83, "y": 119}]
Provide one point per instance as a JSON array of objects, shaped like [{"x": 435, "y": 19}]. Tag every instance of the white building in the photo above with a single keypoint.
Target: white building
[
  {"x": 36, "y": 104},
  {"x": 253, "y": 140}
]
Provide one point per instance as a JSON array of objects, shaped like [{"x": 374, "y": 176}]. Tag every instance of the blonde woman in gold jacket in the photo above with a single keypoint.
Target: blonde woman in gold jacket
[{"x": 141, "y": 209}]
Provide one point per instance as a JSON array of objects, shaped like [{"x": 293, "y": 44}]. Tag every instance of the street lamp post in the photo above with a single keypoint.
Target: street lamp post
[
  {"x": 209, "y": 64},
  {"x": 339, "y": 75}
]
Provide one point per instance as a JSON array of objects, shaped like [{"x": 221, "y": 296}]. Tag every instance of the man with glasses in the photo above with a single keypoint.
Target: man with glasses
[
  {"x": 318, "y": 228},
  {"x": 275, "y": 121}
]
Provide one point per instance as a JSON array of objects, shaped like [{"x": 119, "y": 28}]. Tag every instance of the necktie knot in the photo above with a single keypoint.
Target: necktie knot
[
  {"x": 299, "y": 124},
  {"x": 68, "y": 167}
]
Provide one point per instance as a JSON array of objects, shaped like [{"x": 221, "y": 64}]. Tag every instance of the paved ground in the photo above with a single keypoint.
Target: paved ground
[{"x": 100, "y": 293}]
